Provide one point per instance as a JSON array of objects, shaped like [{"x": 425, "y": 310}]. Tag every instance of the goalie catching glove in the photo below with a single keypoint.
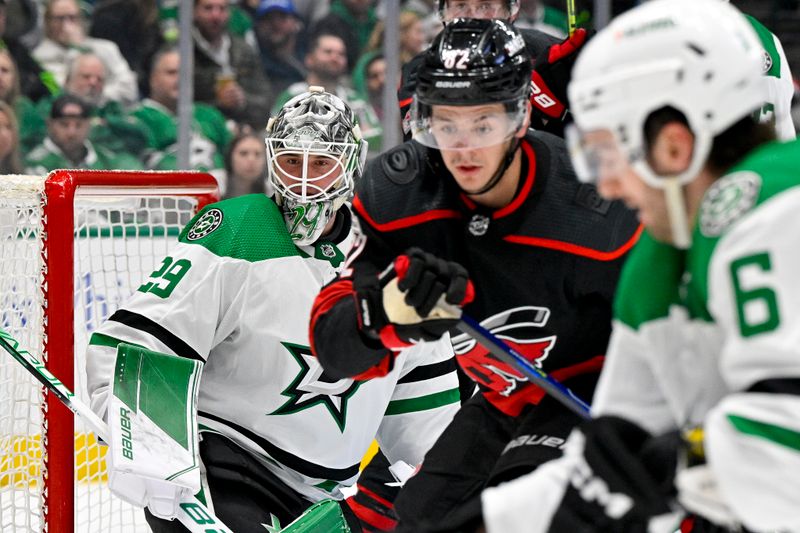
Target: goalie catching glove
[{"x": 421, "y": 303}]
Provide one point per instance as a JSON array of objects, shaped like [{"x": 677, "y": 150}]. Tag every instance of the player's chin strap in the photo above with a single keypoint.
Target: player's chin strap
[
  {"x": 501, "y": 169},
  {"x": 192, "y": 513}
]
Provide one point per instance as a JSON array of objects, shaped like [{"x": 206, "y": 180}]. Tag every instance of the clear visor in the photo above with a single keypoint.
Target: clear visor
[
  {"x": 595, "y": 154},
  {"x": 311, "y": 174},
  {"x": 467, "y": 127}
]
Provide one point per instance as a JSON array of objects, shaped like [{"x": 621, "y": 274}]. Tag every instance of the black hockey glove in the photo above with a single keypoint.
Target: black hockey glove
[
  {"x": 549, "y": 80},
  {"x": 421, "y": 303},
  {"x": 626, "y": 479}
]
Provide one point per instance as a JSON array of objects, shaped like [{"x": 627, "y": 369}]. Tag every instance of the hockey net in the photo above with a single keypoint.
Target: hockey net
[{"x": 73, "y": 246}]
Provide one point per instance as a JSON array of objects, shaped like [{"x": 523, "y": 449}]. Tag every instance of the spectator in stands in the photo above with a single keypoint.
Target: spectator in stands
[
  {"x": 67, "y": 144},
  {"x": 353, "y": 21},
  {"x": 227, "y": 71},
  {"x": 10, "y": 94},
  {"x": 246, "y": 166},
  {"x": 34, "y": 81},
  {"x": 412, "y": 37},
  {"x": 111, "y": 125},
  {"x": 277, "y": 28},
  {"x": 65, "y": 38},
  {"x": 158, "y": 112},
  {"x": 10, "y": 162},
  {"x": 134, "y": 26},
  {"x": 326, "y": 62},
  {"x": 369, "y": 77},
  {"x": 535, "y": 15}
]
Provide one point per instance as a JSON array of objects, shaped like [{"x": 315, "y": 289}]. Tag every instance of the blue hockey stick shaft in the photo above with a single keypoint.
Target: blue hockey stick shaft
[
  {"x": 507, "y": 354},
  {"x": 517, "y": 361}
]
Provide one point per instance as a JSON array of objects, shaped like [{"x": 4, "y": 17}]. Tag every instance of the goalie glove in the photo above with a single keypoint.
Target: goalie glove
[
  {"x": 549, "y": 80},
  {"x": 621, "y": 480},
  {"x": 421, "y": 303},
  {"x": 152, "y": 419}
]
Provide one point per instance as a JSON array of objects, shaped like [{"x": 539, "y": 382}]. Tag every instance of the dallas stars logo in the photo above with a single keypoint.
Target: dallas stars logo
[{"x": 312, "y": 387}]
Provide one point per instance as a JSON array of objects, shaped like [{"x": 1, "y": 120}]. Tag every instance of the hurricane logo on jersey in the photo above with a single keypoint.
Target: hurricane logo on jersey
[
  {"x": 519, "y": 327},
  {"x": 313, "y": 387}
]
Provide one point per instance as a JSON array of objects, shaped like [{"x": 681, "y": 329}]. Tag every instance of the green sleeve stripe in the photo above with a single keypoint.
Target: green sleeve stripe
[
  {"x": 777, "y": 434},
  {"x": 768, "y": 42},
  {"x": 98, "y": 339},
  {"x": 422, "y": 403},
  {"x": 328, "y": 485}
]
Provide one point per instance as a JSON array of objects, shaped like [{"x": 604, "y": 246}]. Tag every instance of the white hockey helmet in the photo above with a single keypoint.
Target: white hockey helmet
[
  {"x": 315, "y": 153},
  {"x": 700, "y": 57}
]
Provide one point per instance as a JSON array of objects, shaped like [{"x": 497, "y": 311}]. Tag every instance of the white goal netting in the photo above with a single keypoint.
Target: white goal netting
[{"x": 119, "y": 236}]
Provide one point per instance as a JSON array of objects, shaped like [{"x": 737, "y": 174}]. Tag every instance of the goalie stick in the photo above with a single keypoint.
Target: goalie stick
[{"x": 193, "y": 514}]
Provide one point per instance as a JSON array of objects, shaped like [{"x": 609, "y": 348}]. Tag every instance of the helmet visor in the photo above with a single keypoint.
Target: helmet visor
[
  {"x": 595, "y": 154},
  {"x": 466, "y": 127}
]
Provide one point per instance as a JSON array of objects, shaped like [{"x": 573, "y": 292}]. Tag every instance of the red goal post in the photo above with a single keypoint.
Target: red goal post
[{"x": 73, "y": 246}]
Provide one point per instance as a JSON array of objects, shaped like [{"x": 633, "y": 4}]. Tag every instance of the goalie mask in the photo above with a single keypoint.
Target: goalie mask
[{"x": 315, "y": 153}]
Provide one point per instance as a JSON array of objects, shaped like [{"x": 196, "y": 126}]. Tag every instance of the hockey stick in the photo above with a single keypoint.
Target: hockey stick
[
  {"x": 517, "y": 361},
  {"x": 508, "y": 355},
  {"x": 193, "y": 514},
  {"x": 572, "y": 20}
]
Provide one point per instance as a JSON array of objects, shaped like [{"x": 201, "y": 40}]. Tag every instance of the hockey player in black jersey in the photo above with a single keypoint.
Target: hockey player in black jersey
[
  {"x": 477, "y": 200},
  {"x": 552, "y": 58}
]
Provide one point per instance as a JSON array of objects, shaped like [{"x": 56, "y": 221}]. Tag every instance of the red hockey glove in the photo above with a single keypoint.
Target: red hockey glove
[
  {"x": 422, "y": 303},
  {"x": 551, "y": 74}
]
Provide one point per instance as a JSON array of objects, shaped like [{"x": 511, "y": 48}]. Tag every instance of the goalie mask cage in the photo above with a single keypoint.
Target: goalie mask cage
[{"x": 73, "y": 246}]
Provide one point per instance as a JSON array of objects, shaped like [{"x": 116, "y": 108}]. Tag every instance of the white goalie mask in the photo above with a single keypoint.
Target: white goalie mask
[{"x": 315, "y": 153}]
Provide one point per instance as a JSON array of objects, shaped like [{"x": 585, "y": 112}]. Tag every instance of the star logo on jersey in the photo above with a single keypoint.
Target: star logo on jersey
[
  {"x": 766, "y": 64},
  {"x": 520, "y": 328},
  {"x": 727, "y": 200},
  {"x": 312, "y": 387},
  {"x": 210, "y": 221}
]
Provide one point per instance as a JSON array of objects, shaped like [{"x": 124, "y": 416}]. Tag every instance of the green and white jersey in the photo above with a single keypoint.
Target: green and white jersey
[
  {"x": 710, "y": 336},
  {"x": 236, "y": 293},
  {"x": 777, "y": 82}
]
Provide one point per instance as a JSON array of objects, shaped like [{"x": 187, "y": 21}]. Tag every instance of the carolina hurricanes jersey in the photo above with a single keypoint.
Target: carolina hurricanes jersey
[
  {"x": 236, "y": 293},
  {"x": 544, "y": 267}
]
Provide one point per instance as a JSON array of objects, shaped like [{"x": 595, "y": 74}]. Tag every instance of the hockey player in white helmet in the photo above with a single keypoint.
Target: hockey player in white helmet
[
  {"x": 697, "y": 412},
  {"x": 277, "y": 433}
]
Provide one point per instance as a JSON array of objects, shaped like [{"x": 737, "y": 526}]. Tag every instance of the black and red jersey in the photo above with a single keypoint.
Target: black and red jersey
[{"x": 544, "y": 267}]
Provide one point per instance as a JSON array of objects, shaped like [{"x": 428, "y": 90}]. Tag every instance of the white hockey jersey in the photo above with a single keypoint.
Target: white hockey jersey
[
  {"x": 708, "y": 337},
  {"x": 237, "y": 293}
]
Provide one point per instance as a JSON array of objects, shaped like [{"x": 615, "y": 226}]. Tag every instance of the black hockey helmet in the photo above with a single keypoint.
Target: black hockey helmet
[
  {"x": 472, "y": 62},
  {"x": 475, "y": 61}
]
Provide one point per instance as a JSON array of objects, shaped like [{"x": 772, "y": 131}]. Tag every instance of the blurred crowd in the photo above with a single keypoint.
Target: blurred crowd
[{"x": 95, "y": 85}]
